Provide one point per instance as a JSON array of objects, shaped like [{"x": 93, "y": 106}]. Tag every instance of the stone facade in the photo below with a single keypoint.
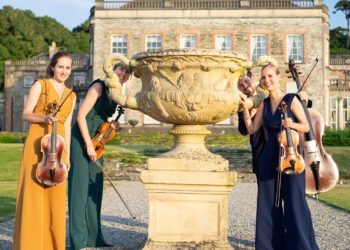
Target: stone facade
[
  {"x": 20, "y": 75},
  {"x": 243, "y": 21},
  {"x": 339, "y": 93}
]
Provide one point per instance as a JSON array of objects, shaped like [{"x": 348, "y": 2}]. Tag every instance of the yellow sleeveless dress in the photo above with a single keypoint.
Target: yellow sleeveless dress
[{"x": 40, "y": 221}]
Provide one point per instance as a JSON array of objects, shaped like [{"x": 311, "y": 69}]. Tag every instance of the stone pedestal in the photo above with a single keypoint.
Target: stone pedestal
[{"x": 188, "y": 203}]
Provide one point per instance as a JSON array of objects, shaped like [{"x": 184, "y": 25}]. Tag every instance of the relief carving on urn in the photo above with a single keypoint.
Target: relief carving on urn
[{"x": 183, "y": 87}]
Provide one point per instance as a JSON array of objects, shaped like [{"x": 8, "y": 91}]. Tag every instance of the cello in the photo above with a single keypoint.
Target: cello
[{"x": 321, "y": 172}]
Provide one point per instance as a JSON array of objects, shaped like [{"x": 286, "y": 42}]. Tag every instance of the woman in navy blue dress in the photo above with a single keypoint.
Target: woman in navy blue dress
[{"x": 289, "y": 225}]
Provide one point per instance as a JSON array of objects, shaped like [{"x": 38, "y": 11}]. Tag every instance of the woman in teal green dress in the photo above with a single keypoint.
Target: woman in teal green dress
[{"x": 85, "y": 180}]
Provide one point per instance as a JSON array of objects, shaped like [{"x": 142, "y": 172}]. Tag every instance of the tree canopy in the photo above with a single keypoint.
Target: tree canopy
[
  {"x": 344, "y": 6},
  {"x": 23, "y": 35}
]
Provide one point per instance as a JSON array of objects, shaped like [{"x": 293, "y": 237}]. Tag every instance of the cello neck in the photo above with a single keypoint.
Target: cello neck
[{"x": 309, "y": 136}]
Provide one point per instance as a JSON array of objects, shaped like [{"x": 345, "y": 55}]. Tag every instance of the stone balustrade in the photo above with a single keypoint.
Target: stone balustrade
[{"x": 204, "y": 4}]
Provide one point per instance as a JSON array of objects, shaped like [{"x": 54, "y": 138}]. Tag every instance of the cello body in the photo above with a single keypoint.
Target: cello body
[{"x": 328, "y": 174}]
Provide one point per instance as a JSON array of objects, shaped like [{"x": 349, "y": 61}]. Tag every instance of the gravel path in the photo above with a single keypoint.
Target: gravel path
[{"x": 332, "y": 226}]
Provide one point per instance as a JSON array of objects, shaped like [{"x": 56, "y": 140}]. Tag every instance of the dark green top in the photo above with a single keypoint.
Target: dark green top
[{"x": 103, "y": 108}]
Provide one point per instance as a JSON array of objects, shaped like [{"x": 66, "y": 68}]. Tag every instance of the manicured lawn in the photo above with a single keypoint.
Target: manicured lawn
[{"x": 337, "y": 197}]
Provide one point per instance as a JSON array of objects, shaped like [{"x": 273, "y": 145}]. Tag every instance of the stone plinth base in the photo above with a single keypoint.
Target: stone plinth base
[
  {"x": 204, "y": 245},
  {"x": 188, "y": 208}
]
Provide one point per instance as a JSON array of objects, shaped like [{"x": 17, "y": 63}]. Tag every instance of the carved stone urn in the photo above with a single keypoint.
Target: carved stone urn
[{"x": 188, "y": 186}]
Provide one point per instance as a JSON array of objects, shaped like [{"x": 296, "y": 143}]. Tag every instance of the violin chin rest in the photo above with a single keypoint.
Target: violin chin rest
[
  {"x": 48, "y": 183},
  {"x": 289, "y": 171}
]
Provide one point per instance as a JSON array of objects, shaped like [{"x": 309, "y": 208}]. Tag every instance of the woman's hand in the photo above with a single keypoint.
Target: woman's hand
[
  {"x": 91, "y": 153},
  {"x": 115, "y": 125},
  {"x": 48, "y": 119},
  {"x": 288, "y": 122},
  {"x": 244, "y": 102}
]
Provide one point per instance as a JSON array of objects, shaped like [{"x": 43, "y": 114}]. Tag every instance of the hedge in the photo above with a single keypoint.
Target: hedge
[{"x": 331, "y": 138}]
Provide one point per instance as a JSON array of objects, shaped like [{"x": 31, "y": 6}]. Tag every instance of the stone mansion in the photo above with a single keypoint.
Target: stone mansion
[{"x": 283, "y": 29}]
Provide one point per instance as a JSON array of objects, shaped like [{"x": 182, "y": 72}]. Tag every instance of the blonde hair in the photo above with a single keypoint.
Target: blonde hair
[{"x": 274, "y": 67}]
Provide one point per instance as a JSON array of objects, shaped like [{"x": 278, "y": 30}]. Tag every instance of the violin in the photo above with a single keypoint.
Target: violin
[
  {"x": 105, "y": 133},
  {"x": 291, "y": 161},
  {"x": 321, "y": 172},
  {"x": 51, "y": 170}
]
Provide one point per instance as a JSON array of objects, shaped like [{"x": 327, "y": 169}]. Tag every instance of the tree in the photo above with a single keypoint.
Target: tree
[
  {"x": 344, "y": 6},
  {"x": 23, "y": 35},
  {"x": 338, "y": 39}
]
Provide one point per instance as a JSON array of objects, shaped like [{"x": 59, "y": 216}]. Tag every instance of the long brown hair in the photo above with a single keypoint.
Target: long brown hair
[{"x": 53, "y": 62}]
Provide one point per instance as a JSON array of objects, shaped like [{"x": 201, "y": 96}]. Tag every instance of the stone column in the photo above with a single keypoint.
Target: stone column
[
  {"x": 188, "y": 195},
  {"x": 340, "y": 112},
  {"x": 9, "y": 85}
]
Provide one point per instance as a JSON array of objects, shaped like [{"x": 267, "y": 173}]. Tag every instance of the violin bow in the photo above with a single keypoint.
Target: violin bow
[
  {"x": 312, "y": 69},
  {"x": 59, "y": 106},
  {"x": 279, "y": 174},
  {"x": 115, "y": 189}
]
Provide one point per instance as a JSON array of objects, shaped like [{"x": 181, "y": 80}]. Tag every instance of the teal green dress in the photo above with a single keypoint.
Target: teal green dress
[{"x": 85, "y": 180}]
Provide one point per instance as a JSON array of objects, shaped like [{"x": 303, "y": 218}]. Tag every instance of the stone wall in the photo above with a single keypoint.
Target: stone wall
[
  {"x": 16, "y": 92},
  {"x": 239, "y": 161}
]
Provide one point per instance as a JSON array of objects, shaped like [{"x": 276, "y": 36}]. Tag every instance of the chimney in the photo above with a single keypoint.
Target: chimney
[{"x": 52, "y": 49}]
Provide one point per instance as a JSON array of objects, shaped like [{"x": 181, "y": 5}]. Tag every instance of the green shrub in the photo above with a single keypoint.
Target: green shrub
[
  {"x": 11, "y": 137},
  {"x": 116, "y": 140},
  {"x": 336, "y": 137}
]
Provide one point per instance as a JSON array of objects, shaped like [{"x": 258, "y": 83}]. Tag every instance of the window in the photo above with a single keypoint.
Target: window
[
  {"x": 79, "y": 103},
  {"x": 153, "y": 42},
  {"x": 188, "y": 41},
  {"x": 258, "y": 46},
  {"x": 120, "y": 44},
  {"x": 295, "y": 48},
  {"x": 333, "y": 112},
  {"x": 28, "y": 81},
  {"x": 292, "y": 87},
  {"x": 223, "y": 42},
  {"x": 346, "y": 110},
  {"x": 79, "y": 79},
  {"x": 334, "y": 81}
]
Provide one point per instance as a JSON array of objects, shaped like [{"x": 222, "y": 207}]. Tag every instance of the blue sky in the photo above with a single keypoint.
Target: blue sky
[{"x": 72, "y": 13}]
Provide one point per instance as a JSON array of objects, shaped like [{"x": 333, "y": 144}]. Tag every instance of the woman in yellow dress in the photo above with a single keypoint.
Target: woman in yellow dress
[{"x": 40, "y": 221}]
